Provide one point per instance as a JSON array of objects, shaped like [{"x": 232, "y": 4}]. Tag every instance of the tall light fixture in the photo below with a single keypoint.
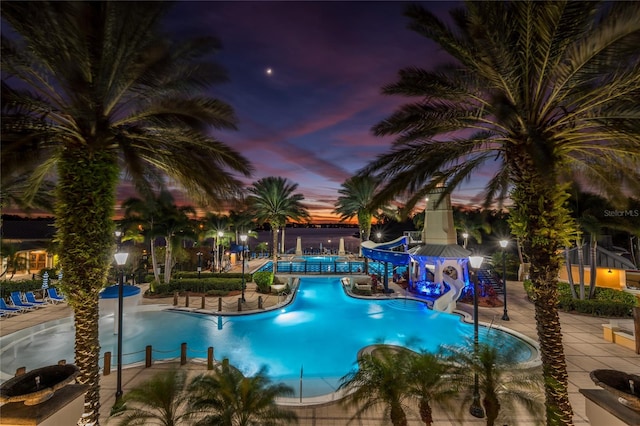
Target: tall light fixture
[
  {"x": 465, "y": 235},
  {"x": 243, "y": 238},
  {"x": 476, "y": 409},
  {"x": 503, "y": 244},
  {"x": 199, "y": 254},
  {"x": 379, "y": 236},
  {"x": 121, "y": 260}
]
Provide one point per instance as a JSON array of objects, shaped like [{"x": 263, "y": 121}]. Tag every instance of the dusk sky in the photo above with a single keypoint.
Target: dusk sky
[{"x": 310, "y": 119}]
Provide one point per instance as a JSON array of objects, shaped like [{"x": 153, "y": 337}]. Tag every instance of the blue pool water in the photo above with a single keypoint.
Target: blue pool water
[
  {"x": 320, "y": 333},
  {"x": 328, "y": 265}
]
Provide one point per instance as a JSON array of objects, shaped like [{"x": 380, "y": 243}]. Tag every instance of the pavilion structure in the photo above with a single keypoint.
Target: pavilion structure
[{"x": 437, "y": 266}]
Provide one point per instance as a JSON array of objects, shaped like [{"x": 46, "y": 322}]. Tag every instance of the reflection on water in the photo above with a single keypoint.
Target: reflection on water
[{"x": 321, "y": 332}]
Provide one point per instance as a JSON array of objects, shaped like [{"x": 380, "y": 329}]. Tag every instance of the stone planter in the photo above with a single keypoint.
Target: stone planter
[
  {"x": 37, "y": 385},
  {"x": 626, "y": 387}
]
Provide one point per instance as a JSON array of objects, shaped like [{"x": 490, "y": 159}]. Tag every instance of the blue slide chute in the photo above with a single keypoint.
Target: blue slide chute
[{"x": 384, "y": 252}]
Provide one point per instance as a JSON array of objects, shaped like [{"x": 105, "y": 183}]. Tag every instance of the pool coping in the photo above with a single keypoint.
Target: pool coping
[{"x": 305, "y": 401}]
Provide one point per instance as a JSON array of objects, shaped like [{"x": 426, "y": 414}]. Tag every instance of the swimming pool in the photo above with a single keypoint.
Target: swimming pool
[
  {"x": 328, "y": 265},
  {"x": 320, "y": 334}
]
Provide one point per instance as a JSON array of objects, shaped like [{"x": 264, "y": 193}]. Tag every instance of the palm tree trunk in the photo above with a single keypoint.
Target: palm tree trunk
[
  {"x": 168, "y": 258},
  {"x": 540, "y": 205},
  {"x": 84, "y": 212},
  {"x": 274, "y": 250},
  {"x": 567, "y": 262},
  {"x": 426, "y": 414},
  {"x": 580, "y": 267},
  {"x": 154, "y": 260},
  {"x": 593, "y": 251},
  {"x": 398, "y": 416},
  {"x": 491, "y": 408}
]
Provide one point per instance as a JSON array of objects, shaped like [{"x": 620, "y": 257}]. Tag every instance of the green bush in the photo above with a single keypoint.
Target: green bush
[
  {"x": 263, "y": 280},
  {"x": 606, "y": 303},
  {"x": 6, "y": 286},
  {"x": 192, "y": 274},
  {"x": 221, "y": 285}
]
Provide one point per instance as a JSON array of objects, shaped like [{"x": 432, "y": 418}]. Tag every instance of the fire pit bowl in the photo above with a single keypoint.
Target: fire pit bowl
[
  {"x": 623, "y": 385},
  {"x": 37, "y": 385}
]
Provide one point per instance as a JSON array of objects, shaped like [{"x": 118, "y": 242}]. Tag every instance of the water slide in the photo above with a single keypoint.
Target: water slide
[{"x": 384, "y": 252}]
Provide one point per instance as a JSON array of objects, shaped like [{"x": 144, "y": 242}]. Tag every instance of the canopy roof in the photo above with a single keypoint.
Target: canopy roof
[{"x": 451, "y": 251}]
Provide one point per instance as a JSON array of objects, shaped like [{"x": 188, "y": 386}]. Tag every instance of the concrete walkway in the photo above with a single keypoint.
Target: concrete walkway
[{"x": 585, "y": 350}]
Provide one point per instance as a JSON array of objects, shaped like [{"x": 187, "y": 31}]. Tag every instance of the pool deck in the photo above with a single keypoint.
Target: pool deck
[{"x": 585, "y": 350}]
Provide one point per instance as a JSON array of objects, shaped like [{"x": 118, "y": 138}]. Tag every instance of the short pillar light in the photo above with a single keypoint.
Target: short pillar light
[{"x": 476, "y": 409}]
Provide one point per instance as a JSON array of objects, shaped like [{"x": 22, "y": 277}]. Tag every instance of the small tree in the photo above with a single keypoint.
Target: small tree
[
  {"x": 381, "y": 379},
  {"x": 228, "y": 398},
  {"x": 503, "y": 385},
  {"x": 160, "y": 399},
  {"x": 429, "y": 381}
]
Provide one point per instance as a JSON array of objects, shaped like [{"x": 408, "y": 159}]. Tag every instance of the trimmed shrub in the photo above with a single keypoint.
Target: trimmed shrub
[
  {"x": 221, "y": 286},
  {"x": 263, "y": 281},
  {"x": 607, "y": 302},
  {"x": 192, "y": 274},
  {"x": 6, "y": 286}
]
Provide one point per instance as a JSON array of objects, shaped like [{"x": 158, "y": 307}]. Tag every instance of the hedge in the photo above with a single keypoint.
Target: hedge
[
  {"x": 606, "y": 303},
  {"x": 6, "y": 286},
  {"x": 203, "y": 275},
  {"x": 211, "y": 286},
  {"x": 263, "y": 281}
]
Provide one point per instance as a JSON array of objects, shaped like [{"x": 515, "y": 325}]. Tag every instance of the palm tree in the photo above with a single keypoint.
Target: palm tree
[
  {"x": 381, "y": 378},
  {"x": 15, "y": 258},
  {"x": 16, "y": 190},
  {"x": 216, "y": 227},
  {"x": 162, "y": 398},
  {"x": 96, "y": 90},
  {"x": 503, "y": 385},
  {"x": 541, "y": 91},
  {"x": 428, "y": 380},
  {"x": 228, "y": 398},
  {"x": 273, "y": 201},
  {"x": 241, "y": 223},
  {"x": 474, "y": 223},
  {"x": 356, "y": 195},
  {"x": 158, "y": 216}
]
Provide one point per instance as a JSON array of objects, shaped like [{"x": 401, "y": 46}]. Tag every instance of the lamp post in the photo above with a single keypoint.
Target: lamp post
[
  {"x": 476, "y": 409},
  {"x": 121, "y": 259},
  {"x": 199, "y": 254},
  {"x": 379, "y": 236},
  {"x": 465, "y": 236},
  {"x": 503, "y": 244},
  {"x": 243, "y": 238}
]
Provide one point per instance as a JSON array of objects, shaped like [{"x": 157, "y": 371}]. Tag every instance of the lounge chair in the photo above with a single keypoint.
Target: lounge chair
[
  {"x": 6, "y": 308},
  {"x": 4, "y": 313},
  {"x": 16, "y": 299},
  {"x": 31, "y": 298},
  {"x": 53, "y": 295},
  {"x": 362, "y": 285}
]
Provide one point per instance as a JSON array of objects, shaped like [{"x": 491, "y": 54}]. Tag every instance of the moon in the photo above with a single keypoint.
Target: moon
[{"x": 269, "y": 71}]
